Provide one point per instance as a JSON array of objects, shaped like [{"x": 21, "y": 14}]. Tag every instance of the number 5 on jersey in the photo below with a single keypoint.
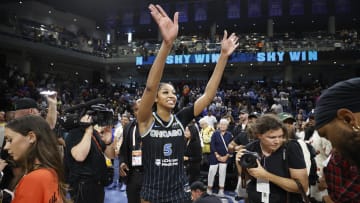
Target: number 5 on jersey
[{"x": 167, "y": 149}]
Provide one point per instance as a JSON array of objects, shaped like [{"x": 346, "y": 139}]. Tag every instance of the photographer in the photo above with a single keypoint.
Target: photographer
[
  {"x": 85, "y": 153},
  {"x": 278, "y": 173}
]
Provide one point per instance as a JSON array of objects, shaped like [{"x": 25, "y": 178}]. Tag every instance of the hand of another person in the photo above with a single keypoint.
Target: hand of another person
[
  {"x": 86, "y": 119},
  {"x": 322, "y": 184},
  {"x": 52, "y": 99},
  {"x": 223, "y": 159},
  {"x": 168, "y": 28},
  {"x": 228, "y": 45},
  {"x": 123, "y": 169},
  {"x": 258, "y": 172},
  {"x": 61, "y": 141},
  {"x": 238, "y": 147},
  {"x": 239, "y": 154}
]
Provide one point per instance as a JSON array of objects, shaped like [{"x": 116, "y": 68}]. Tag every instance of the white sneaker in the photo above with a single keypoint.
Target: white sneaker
[
  {"x": 221, "y": 193},
  {"x": 209, "y": 191}
]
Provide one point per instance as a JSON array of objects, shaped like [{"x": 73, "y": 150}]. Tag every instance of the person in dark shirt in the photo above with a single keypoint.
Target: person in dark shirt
[
  {"x": 85, "y": 160},
  {"x": 192, "y": 156},
  {"x": 129, "y": 151},
  {"x": 279, "y": 164},
  {"x": 162, "y": 131}
]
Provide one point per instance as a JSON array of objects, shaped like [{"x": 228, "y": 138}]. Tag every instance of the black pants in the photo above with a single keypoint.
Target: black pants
[
  {"x": 133, "y": 187},
  {"x": 193, "y": 172},
  {"x": 87, "y": 191}
]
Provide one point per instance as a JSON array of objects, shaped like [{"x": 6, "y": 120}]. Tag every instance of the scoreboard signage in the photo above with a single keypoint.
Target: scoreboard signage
[{"x": 271, "y": 57}]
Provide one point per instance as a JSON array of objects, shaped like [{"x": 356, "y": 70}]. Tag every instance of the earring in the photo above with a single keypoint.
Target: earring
[{"x": 356, "y": 128}]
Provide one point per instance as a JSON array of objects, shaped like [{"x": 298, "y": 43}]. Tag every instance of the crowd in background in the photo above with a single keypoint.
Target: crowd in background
[
  {"x": 255, "y": 96},
  {"x": 54, "y": 35}
]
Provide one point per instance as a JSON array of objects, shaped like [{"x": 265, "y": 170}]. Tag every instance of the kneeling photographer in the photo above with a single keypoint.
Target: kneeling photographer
[
  {"x": 87, "y": 144},
  {"x": 275, "y": 166}
]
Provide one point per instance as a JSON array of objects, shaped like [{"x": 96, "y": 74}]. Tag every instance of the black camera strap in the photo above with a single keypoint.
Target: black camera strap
[
  {"x": 97, "y": 143},
  {"x": 300, "y": 187}
]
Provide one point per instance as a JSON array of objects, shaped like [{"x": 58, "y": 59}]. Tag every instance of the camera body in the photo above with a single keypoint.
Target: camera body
[
  {"x": 248, "y": 159},
  {"x": 101, "y": 115}
]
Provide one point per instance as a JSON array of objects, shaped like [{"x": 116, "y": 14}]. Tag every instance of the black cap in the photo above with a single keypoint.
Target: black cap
[
  {"x": 198, "y": 185},
  {"x": 25, "y": 103},
  {"x": 344, "y": 94}
]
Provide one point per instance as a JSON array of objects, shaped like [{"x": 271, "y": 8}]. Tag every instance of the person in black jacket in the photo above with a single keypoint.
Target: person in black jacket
[
  {"x": 130, "y": 150},
  {"x": 192, "y": 156}
]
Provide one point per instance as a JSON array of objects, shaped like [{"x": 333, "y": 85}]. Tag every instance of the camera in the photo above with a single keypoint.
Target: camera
[
  {"x": 248, "y": 159},
  {"x": 96, "y": 108}
]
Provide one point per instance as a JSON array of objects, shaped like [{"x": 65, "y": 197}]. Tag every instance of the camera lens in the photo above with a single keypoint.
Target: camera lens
[{"x": 248, "y": 160}]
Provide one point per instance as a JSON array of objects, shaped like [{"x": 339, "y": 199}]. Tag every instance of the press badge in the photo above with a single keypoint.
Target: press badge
[
  {"x": 136, "y": 158},
  {"x": 263, "y": 186}
]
